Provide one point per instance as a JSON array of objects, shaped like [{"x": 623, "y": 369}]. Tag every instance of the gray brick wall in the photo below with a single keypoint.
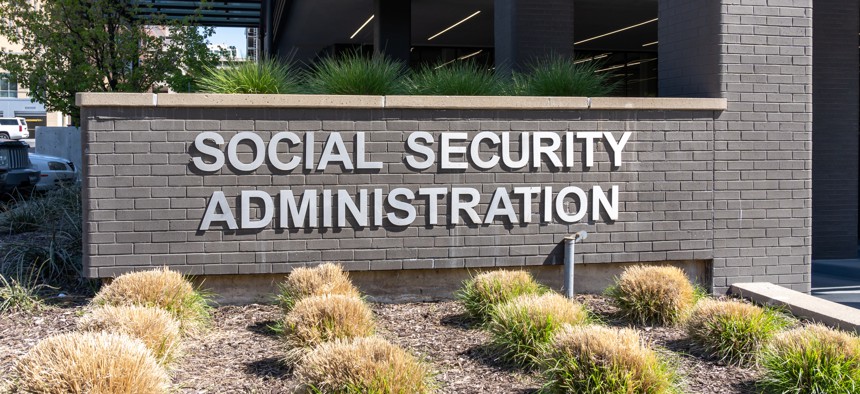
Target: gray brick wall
[
  {"x": 763, "y": 143},
  {"x": 146, "y": 201}
]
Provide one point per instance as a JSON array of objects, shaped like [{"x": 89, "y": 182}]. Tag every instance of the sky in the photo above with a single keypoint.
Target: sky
[{"x": 230, "y": 36}]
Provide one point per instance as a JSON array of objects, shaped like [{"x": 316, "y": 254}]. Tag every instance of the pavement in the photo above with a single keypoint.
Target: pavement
[{"x": 837, "y": 281}]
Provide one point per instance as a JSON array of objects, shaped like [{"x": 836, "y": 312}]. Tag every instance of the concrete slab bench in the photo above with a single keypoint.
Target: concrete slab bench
[{"x": 800, "y": 304}]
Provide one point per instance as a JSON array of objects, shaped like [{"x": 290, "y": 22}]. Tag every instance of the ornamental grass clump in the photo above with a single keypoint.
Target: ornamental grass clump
[
  {"x": 160, "y": 288},
  {"x": 268, "y": 76},
  {"x": 455, "y": 79},
  {"x": 812, "y": 359},
  {"x": 653, "y": 294},
  {"x": 362, "y": 365},
  {"x": 354, "y": 73},
  {"x": 520, "y": 328},
  {"x": 484, "y": 291},
  {"x": 318, "y": 319},
  {"x": 597, "y": 360},
  {"x": 158, "y": 330},
  {"x": 91, "y": 363},
  {"x": 733, "y": 331},
  {"x": 561, "y": 76},
  {"x": 326, "y": 278}
]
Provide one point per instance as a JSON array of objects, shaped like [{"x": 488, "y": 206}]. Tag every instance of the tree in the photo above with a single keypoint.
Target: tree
[{"x": 72, "y": 46}]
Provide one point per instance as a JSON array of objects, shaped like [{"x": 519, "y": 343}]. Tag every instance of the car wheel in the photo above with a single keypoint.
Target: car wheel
[{"x": 4, "y": 136}]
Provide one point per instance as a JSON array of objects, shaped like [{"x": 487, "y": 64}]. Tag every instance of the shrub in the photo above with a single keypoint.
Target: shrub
[
  {"x": 481, "y": 293},
  {"x": 327, "y": 278},
  {"x": 268, "y": 76},
  {"x": 733, "y": 331},
  {"x": 813, "y": 359},
  {"x": 317, "y": 319},
  {"x": 455, "y": 79},
  {"x": 648, "y": 294},
  {"x": 521, "y": 327},
  {"x": 158, "y": 330},
  {"x": 560, "y": 76},
  {"x": 91, "y": 363},
  {"x": 598, "y": 360},
  {"x": 362, "y": 365},
  {"x": 354, "y": 73},
  {"x": 160, "y": 288}
]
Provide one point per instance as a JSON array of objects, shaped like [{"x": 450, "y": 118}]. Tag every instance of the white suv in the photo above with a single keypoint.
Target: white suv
[{"x": 13, "y": 128}]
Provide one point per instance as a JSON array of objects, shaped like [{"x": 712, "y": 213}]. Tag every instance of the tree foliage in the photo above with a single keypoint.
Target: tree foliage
[{"x": 72, "y": 46}]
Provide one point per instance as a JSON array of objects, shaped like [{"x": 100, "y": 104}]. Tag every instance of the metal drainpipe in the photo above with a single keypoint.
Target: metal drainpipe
[{"x": 569, "y": 242}]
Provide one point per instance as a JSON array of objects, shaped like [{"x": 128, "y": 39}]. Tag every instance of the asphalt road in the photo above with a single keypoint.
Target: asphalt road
[{"x": 837, "y": 281}]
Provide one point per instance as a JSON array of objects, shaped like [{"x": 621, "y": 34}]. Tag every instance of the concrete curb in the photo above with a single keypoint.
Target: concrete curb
[{"x": 802, "y": 305}]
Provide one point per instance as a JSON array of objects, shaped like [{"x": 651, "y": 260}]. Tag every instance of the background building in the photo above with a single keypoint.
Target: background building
[{"x": 15, "y": 99}]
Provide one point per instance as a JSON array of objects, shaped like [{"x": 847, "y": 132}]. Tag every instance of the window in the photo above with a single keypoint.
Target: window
[
  {"x": 8, "y": 86},
  {"x": 8, "y": 122}
]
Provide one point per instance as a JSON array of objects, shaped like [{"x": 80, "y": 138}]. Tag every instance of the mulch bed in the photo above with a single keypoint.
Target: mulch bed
[{"x": 240, "y": 352}]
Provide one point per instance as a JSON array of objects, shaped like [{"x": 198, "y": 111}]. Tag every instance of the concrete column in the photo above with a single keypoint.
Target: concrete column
[
  {"x": 392, "y": 32},
  {"x": 835, "y": 132},
  {"x": 529, "y": 29}
]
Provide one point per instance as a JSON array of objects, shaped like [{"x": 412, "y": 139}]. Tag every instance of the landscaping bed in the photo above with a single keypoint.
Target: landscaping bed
[{"x": 240, "y": 353}]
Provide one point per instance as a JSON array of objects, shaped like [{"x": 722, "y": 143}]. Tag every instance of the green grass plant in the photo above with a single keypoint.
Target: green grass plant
[
  {"x": 268, "y": 76},
  {"x": 520, "y": 328},
  {"x": 654, "y": 294},
  {"x": 354, "y": 73},
  {"x": 812, "y": 360},
  {"x": 593, "y": 359},
  {"x": 461, "y": 78},
  {"x": 18, "y": 296},
  {"x": 481, "y": 293},
  {"x": 733, "y": 331},
  {"x": 562, "y": 76}
]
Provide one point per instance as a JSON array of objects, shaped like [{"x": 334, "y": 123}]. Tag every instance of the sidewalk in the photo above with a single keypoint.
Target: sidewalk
[{"x": 837, "y": 281}]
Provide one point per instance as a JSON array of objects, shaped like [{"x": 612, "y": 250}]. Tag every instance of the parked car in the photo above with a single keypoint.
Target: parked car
[
  {"x": 16, "y": 172},
  {"x": 13, "y": 128},
  {"x": 56, "y": 172}
]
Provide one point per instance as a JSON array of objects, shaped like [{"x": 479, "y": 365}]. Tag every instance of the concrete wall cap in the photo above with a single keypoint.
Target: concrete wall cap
[
  {"x": 115, "y": 99},
  {"x": 485, "y": 102},
  {"x": 659, "y": 103},
  {"x": 803, "y": 305},
  {"x": 209, "y": 100},
  {"x": 268, "y": 100}
]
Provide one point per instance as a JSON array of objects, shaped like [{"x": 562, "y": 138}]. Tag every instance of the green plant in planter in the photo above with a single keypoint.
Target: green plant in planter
[
  {"x": 455, "y": 79},
  {"x": 354, "y": 73},
  {"x": 268, "y": 76},
  {"x": 561, "y": 76}
]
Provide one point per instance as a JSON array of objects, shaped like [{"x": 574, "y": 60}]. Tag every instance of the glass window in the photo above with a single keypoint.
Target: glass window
[
  {"x": 8, "y": 122},
  {"x": 8, "y": 86}
]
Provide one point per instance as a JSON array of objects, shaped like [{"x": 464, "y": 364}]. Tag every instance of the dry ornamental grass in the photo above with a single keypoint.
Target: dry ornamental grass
[
  {"x": 599, "y": 360},
  {"x": 155, "y": 327},
  {"x": 324, "y": 318},
  {"x": 161, "y": 288},
  {"x": 522, "y": 326},
  {"x": 733, "y": 331},
  {"x": 362, "y": 366},
  {"x": 812, "y": 359},
  {"x": 654, "y": 294},
  {"x": 483, "y": 292},
  {"x": 91, "y": 363},
  {"x": 326, "y": 278}
]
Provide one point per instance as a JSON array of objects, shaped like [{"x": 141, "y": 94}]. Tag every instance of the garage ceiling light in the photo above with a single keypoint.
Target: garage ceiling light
[
  {"x": 454, "y": 25},
  {"x": 650, "y": 43},
  {"x": 362, "y": 27},
  {"x": 616, "y": 31}
]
